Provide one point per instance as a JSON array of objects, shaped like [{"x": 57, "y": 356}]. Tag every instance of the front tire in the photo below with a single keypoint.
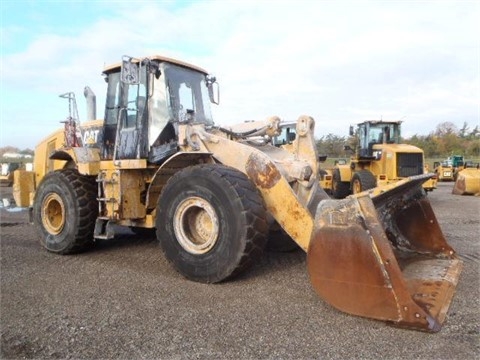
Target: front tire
[
  {"x": 211, "y": 222},
  {"x": 363, "y": 180},
  {"x": 340, "y": 189},
  {"x": 65, "y": 210}
]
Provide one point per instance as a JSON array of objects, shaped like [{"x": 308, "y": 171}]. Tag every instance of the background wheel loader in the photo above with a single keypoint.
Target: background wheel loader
[
  {"x": 379, "y": 159},
  {"x": 444, "y": 171},
  {"x": 213, "y": 195},
  {"x": 466, "y": 175}
]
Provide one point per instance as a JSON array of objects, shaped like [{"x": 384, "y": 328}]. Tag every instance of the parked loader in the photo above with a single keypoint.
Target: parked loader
[
  {"x": 466, "y": 175},
  {"x": 379, "y": 159},
  {"x": 213, "y": 193},
  {"x": 444, "y": 171}
]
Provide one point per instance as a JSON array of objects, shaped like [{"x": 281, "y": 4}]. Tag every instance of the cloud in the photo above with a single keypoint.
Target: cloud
[{"x": 341, "y": 62}]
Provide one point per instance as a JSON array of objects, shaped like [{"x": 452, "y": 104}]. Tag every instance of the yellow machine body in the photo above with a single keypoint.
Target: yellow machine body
[{"x": 444, "y": 172}]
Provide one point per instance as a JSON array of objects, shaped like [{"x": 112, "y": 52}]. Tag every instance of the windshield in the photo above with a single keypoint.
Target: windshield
[
  {"x": 384, "y": 132},
  {"x": 188, "y": 95}
]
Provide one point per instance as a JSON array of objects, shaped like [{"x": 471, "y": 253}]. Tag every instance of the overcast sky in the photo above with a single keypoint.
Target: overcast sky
[{"x": 341, "y": 62}]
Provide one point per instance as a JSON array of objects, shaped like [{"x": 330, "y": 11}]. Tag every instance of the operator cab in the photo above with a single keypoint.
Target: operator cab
[
  {"x": 146, "y": 100},
  {"x": 376, "y": 132},
  {"x": 287, "y": 135}
]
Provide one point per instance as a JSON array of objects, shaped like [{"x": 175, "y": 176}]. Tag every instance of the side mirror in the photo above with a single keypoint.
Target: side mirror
[
  {"x": 213, "y": 89},
  {"x": 130, "y": 71},
  {"x": 351, "y": 131}
]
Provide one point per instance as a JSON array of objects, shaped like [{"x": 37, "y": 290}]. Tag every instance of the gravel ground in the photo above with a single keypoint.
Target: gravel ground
[{"x": 123, "y": 300}]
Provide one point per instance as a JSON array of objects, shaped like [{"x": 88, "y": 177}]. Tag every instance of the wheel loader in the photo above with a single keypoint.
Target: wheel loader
[
  {"x": 213, "y": 193},
  {"x": 444, "y": 171},
  {"x": 379, "y": 159},
  {"x": 466, "y": 175}
]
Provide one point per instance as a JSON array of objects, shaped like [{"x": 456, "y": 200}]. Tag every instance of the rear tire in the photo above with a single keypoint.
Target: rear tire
[
  {"x": 211, "y": 222},
  {"x": 363, "y": 180},
  {"x": 340, "y": 189},
  {"x": 64, "y": 211}
]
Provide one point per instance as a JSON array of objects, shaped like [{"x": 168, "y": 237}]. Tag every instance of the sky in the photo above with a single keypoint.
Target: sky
[{"x": 341, "y": 62}]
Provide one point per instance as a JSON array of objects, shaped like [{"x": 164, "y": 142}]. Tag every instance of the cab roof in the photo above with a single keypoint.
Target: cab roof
[
  {"x": 375, "y": 122},
  {"x": 112, "y": 68}
]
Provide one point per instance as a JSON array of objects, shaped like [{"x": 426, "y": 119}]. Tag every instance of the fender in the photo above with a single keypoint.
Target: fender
[
  {"x": 86, "y": 159},
  {"x": 175, "y": 163}
]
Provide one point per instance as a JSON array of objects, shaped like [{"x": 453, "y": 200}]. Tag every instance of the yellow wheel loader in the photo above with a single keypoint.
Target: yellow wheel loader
[
  {"x": 378, "y": 160},
  {"x": 444, "y": 171},
  {"x": 214, "y": 193},
  {"x": 466, "y": 175}
]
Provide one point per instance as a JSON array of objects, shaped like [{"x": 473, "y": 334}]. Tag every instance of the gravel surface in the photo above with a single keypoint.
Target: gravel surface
[{"x": 122, "y": 300}]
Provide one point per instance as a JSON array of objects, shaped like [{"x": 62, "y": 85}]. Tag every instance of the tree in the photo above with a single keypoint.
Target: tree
[
  {"x": 8, "y": 149},
  {"x": 331, "y": 145},
  {"x": 463, "y": 132},
  {"x": 445, "y": 128}
]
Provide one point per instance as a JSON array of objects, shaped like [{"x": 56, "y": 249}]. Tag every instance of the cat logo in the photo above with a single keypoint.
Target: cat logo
[{"x": 90, "y": 137}]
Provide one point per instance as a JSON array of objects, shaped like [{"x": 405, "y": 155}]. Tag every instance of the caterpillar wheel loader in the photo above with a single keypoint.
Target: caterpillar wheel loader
[
  {"x": 213, "y": 193},
  {"x": 444, "y": 171},
  {"x": 466, "y": 175},
  {"x": 379, "y": 159}
]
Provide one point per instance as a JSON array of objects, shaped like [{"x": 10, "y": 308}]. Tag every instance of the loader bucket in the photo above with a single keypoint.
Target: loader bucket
[
  {"x": 468, "y": 182},
  {"x": 384, "y": 256}
]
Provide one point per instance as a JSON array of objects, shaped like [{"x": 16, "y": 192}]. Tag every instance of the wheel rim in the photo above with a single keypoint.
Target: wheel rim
[
  {"x": 357, "y": 187},
  {"x": 196, "y": 225},
  {"x": 53, "y": 213}
]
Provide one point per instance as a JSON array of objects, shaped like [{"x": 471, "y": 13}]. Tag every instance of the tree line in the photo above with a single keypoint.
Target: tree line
[
  {"x": 13, "y": 150},
  {"x": 445, "y": 140}
]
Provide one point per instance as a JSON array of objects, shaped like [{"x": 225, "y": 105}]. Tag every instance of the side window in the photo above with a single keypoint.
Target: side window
[
  {"x": 186, "y": 100},
  {"x": 136, "y": 101},
  {"x": 113, "y": 99}
]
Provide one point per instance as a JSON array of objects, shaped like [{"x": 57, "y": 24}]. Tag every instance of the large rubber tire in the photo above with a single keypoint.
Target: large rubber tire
[
  {"x": 211, "y": 222},
  {"x": 340, "y": 189},
  {"x": 363, "y": 180},
  {"x": 64, "y": 211}
]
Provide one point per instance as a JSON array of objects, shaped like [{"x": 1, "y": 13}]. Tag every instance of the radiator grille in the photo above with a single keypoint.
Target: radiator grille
[{"x": 409, "y": 164}]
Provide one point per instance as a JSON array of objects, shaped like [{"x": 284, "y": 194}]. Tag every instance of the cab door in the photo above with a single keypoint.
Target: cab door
[
  {"x": 132, "y": 129},
  {"x": 131, "y": 114}
]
